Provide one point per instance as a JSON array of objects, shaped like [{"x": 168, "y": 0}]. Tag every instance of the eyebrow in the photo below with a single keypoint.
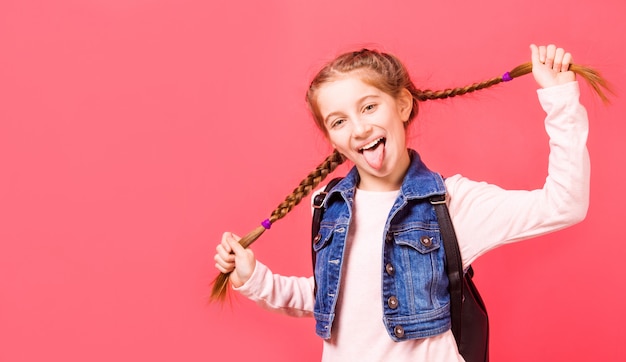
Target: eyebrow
[{"x": 359, "y": 101}]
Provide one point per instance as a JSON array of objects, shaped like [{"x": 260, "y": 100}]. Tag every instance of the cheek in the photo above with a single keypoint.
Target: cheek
[
  {"x": 337, "y": 140},
  {"x": 331, "y": 140}
]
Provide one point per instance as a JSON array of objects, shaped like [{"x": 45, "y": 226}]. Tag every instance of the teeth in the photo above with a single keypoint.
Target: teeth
[{"x": 371, "y": 144}]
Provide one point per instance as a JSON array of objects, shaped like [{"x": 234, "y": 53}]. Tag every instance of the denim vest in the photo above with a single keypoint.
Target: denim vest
[{"x": 415, "y": 297}]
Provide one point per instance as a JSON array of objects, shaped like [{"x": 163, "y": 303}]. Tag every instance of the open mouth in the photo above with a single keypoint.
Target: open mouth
[
  {"x": 374, "y": 153},
  {"x": 373, "y": 145}
]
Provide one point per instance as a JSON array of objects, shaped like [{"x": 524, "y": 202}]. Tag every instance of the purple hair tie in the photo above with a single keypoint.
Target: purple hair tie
[
  {"x": 267, "y": 224},
  {"x": 506, "y": 77}
]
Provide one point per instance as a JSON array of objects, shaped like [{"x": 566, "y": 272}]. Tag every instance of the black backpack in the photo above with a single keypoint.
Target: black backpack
[{"x": 470, "y": 323}]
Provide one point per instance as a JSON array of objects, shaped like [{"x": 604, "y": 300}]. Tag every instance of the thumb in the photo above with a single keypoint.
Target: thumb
[
  {"x": 534, "y": 54},
  {"x": 244, "y": 264},
  {"x": 237, "y": 248}
]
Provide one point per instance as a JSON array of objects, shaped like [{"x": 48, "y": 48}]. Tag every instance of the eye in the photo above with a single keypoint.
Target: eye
[
  {"x": 336, "y": 123},
  {"x": 369, "y": 108}
]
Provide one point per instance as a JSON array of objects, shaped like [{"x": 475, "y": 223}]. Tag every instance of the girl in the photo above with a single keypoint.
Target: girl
[{"x": 381, "y": 280}]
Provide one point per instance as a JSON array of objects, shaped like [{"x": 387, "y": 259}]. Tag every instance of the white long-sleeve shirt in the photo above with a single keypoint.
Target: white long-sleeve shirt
[{"x": 484, "y": 216}]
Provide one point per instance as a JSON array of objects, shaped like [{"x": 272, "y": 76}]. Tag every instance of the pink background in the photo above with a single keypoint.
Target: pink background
[{"x": 133, "y": 133}]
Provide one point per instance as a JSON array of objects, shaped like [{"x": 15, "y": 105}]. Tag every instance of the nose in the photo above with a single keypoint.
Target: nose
[{"x": 361, "y": 128}]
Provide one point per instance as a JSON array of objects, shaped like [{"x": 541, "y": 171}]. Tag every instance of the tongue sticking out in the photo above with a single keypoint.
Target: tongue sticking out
[{"x": 374, "y": 155}]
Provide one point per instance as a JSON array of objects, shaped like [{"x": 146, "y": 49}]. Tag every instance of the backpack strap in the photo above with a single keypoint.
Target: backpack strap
[
  {"x": 454, "y": 265},
  {"x": 318, "y": 212}
]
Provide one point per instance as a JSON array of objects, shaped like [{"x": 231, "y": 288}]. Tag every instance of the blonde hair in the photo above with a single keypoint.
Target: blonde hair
[{"x": 385, "y": 72}]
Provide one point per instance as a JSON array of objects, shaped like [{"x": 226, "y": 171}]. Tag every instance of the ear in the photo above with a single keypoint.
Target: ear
[{"x": 405, "y": 104}]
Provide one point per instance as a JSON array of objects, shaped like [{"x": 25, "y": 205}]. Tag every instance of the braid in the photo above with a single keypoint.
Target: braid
[
  {"x": 307, "y": 185},
  {"x": 592, "y": 77},
  {"x": 219, "y": 290},
  {"x": 424, "y": 95}
]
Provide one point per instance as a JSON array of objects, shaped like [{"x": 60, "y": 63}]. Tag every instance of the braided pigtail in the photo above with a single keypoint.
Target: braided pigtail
[
  {"x": 308, "y": 184},
  {"x": 592, "y": 76}
]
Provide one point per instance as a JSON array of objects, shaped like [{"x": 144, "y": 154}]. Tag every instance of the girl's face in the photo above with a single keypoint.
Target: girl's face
[{"x": 366, "y": 125}]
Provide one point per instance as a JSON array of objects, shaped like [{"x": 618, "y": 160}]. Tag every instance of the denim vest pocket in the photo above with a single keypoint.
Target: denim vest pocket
[
  {"x": 424, "y": 239},
  {"x": 419, "y": 282},
  {"x": 324, "y": 236}
]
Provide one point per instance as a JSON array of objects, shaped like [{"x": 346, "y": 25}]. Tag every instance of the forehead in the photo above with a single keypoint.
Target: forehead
[{"x": 344, "y": 92}]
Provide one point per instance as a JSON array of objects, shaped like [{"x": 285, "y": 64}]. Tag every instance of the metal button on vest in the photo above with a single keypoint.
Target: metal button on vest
[
  {"x": 398, "y": 331},
  {"x": 392, "y": 302},
  {"x": 318, "y": 237},
  {"x": 390, "y": 269},
  {"x": 426, "y": 240}
]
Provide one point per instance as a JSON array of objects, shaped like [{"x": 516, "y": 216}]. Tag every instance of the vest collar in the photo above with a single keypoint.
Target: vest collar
[{"x": 418, "y": 183}]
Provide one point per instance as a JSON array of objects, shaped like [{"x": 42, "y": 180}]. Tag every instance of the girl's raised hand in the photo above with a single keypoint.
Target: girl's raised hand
[
  {"x": 550, "y": 65},
  {"x": 232, "y": 257}
]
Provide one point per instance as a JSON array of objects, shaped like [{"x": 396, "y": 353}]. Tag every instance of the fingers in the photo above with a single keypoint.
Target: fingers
[
  {"x": 235, "y": 247},
  {"x": 226, "y": 252},
  {"x": 534, "y": 54},
  {"x": 558, "y": 59},
  {"x": 567, "y": 60},
  {"x": 233, "y": 259},
  {"x": 547, "y": 54},
  {"x": 552, "y": 57},
  {"x": 224, "y": 262},
  {"x": 551, "y": 65}
]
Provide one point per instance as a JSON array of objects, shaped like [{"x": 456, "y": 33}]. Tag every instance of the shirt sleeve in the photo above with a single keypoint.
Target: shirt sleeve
[
  {"x": 288, "y": 295},
  {"x": 486, "y": 216}
]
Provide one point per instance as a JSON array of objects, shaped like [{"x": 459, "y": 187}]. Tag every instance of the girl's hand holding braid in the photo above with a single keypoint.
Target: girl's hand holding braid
[
  {"x": 232, "y": 256},
  {"x": 551, "y": 65}
]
